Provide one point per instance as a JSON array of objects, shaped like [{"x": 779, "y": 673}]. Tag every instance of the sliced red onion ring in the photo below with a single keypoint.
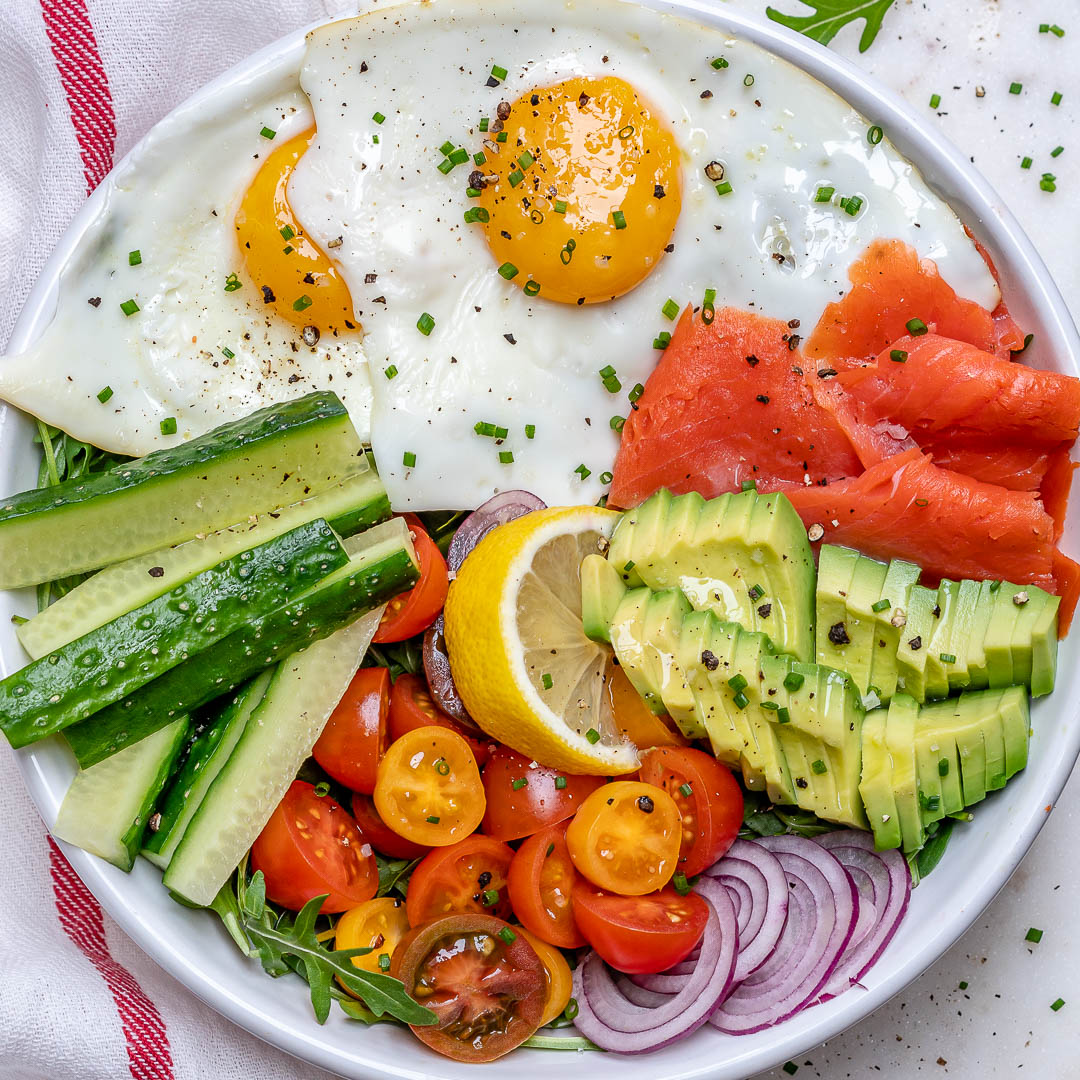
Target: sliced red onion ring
[
  {"x": 822, "y": 911},
  {"x": 760, "y": 888},
  {"x": 503, "y": 507},
  {"x": 607, "y": 1015},
  {"x": 883, "y": 880},
  {"x": 439, "y": 678}
]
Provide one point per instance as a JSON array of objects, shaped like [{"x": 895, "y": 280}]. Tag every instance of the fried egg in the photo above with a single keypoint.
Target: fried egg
[{"x": 525, "y": 195}]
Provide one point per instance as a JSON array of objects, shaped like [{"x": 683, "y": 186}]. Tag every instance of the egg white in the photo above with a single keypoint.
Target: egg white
[
  {"x": 499, "y": 357},
  {"x": 174, "y": 202}
]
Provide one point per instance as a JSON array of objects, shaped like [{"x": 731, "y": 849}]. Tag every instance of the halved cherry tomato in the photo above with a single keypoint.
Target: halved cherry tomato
[
  {"x": 541, "y": 879},
  {"x": 381, "y": 837},
  {"x": 640, "y": 934},
  {"x": 354, "y": 740},
  {"x": 625, "y": 838},
  {"x": 412, "y": 612},
  {"x": 481, "y": 978},
  {"x": 429, "y": 789},
  {"x": 523, "y": 796},
  {"x": 378, "y": 925},
  {"x": 468, "y": 876},
  {"x": 634, "y": 719},
  {"x": 710, "y": 802},
  {"x": 411, "y": 706},
  {"x": 311, "y": 846},
  {"x": 560, "y": 981}
]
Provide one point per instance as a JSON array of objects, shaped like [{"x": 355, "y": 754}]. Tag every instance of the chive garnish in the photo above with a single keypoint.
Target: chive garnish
[
  {"x": 1047, "y": 183},
  {"x": 458, "y": 156},
  {"x": 898, "y": 355},
  {"x": 916, "y": 327},
  {"x": 748, "y": 485},
  {"x": 783, "y": 716},
  {"x": 619, "y": 219},
  {"x": 662, "y": 340},
  {"x": 104, "y": 394},
  {"x": 516, "y": 177},
  {"x": 442, "y": 767},
  {"x": 880, "y": 605},
  {"x": 425, "y": 324},
  {"x": 748, "y": 80},
  {"x": 593, "y": 736},
  {"x": 1057, "y": 151},
  {"x": 546, "y": 680},
  {"x": 408, "y": 459},
  {"x": 790, "y": 1068},
  {"x": 719, "y": 63},
  {"x": 685, "y": 790},
  {"x": 1034, "y": 935},
  {"x": 168, "y": 425},
  {"x": 756, "y": 592},
  {"x": 506, "y": 457},
  {"x": 531, "y": 288},
  {"x": 501, "y": 137},
  {"x": 670, "y": 309},
  {"x": 479, "y": 158},
  {"x": 560, "y": 783},
  {"x": 482, "y": 427},
  {"x": 824, "y": 193},
  {"x": 852, "y": 205},
  {"x": 302, "y": 303},
  {"x": 519, "y": 783},
  {"x": 679, "y": 883},
  {"x": 1015, "y": 88},
  {"x": 384, "y": 961},
  {"x": 606, "y": 477},
  {"x": 378, "y": 117},
  {"x": 508, "y": 270},
  {"x": 583, "y": 472},
  {"x": 446, "y": 148},
  {"x": 1026, "y": 163},
  {"x": 616, "y": 423},
  {"x": 935, "y": 100},
  {"x": 490, "y": 897},
  {"x": 947, "y": 658},
  {"x": 287, "y": 232},
  {"x": 484, "y": 122},
  {"x": 943, "y": 767},
  {"x": 793, "y": 680},
  {"x": 771, "y": 706},
  {"x": 724, "y": 188},
  {"x": 737, "y": 682},
  {"x": 498, "y": 72},
  {"x": 559, "y": 206},
  {"x": 267, "y": 133},
  {"x": 530, "y": 431},
  {"x": 129, "y": 307},
  {"x": 134, "y": 257},
  {"x": 1055, "y": 98},
  {"x": 636, "y": 393},
  {"x": 1057, "y": 1005},
  {"x": 476, "y": 213},
  {"x": 232, "y": 283},
  {"x": 819, "y": 767},
  {"x": 390, "y": 371},
  {"x": 525, "y": 160},
  {"x": 875, "y": 135},
  {"x": 227, "y": 352},
  {"x": 629, "y": 565},
  {"x": 740, "y": 700},
  {"x": 445, "y": 166},
  {"x": 433, "y": 820}
]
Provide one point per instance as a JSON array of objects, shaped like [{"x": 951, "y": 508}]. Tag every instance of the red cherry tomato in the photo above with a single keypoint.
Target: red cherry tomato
[
  {"x": 523, "y": 796},
  {"x": 412, "y": 612},
  {"x": 354, "y": 740},
  {"x": 709, "y": 800},
  {"x": 311, "y": 846},
  {"x": 541, "y": 880},
  {"x": 411, "y": 707},
  {"x": 381, "y": 837},
  {"x": 640, "y": 934},
  {"x": 469, "y": 876},
  {"x": 482, "y": 979}
]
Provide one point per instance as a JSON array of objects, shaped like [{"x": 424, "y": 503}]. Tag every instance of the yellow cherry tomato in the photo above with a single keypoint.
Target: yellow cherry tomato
[
  {"x": 378, "y": 925},
  {"x": 560, "y": 981}
]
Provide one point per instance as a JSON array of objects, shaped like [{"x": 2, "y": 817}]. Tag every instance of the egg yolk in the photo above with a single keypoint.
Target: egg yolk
[
  {"x": 582, "y": 196},
  {"x": 294, "y": 275}
]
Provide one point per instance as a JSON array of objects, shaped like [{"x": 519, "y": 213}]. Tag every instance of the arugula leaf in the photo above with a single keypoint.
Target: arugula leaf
[
  {"x": 760, "y": 818},
  {"x": 929, "y": 855},
  {"x": 831, "y": 16},
  {"x": 394, "y": 874}
]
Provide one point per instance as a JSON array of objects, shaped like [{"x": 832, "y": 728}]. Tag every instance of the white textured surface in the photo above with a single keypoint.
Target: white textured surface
[{"x": 1002, "y": 1024}]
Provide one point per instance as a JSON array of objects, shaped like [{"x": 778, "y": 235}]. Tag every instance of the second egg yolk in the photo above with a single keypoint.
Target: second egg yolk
[
  {"x": 293, "y": 274},
  {"x": 582, "y": 196}
]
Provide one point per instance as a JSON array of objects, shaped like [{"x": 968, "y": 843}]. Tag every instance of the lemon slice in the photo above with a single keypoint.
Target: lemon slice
[{"x": 522, "y": 664}]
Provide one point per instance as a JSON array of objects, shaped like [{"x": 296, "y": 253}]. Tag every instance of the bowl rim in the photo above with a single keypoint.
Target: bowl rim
[{"x": 982, "y": 209}]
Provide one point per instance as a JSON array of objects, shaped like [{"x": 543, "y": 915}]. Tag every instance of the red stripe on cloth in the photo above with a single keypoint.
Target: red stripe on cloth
[
  {"x": 149, "y": 1056},
  {"x": 86, "y": 86}
]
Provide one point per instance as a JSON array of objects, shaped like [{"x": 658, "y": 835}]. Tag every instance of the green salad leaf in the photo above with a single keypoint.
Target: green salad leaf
[
  {"x": 761, "y": 818},
  {"x": 830, "y": 16}
]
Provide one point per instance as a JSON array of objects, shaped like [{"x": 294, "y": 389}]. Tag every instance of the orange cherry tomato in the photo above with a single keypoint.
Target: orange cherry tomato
[
  {"x": 640, "y": 934},
  {"x": 410, "y": 613},
  {"x": 381, "y": 837},
  {"x": 468, "y": 876},
  {"x": 523, "y": 796},
  {"x": 709, "y": 799},
  {"x": 541, "y": 879},
  {"x": 354, "y": 739},
  {"x": 481, "y": 978},
  {"x": 378, "y": 925},
  {"x": 411, "y": 706},
  {"x": 634, "y": 719},
  {"x": 625, "y": 838},
  {"x": 311, "y": 846},
  {"x": 560, "y": 980}
]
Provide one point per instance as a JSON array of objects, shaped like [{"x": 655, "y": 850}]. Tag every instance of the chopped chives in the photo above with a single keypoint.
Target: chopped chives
[
  {"x": 783, "y": 716},
  {"x": 531, "y": 288},
  {"x": 408, "y": 459},
  {"x": 391, "y": 371},
  {"x": 425, "y": 324},
  {"x": 490, "y": 897},
  {"x": 378, "y": 117},
  {"x": 740, "y": 700},
  {"x": 679, "y": 883},
  {"x": 508, "y": 270},
  {"x": 104, "y": 394},
  {"x": 916, "y": 327},
  {"x": 710, "y": 297},
  {"x": 612, "y": 384},
  {"x": 616, "y": 423},
  {"x": 1057, "y": 31},
  {"x": 384, "y": 961},
  {"x": 302, "y": 303},
  {"x": 790, "y": 1068},
  {"x": 685, "y": 790},
  {"x": 1057, "y": 151},
  {"x": 433, "y": 820},
  {"x": 719, "y": 63},
  {"x": 748, "y": 485},
  {"x": 483, "y": 427},
  {"x": 756, "y": 592},
  {"x": 168, "y": 425},
  {"x": 1055, "y": 98},
  {"x": 516, "y": 177},
  {"x": 619, "y": 219},
  {"x": 525, "y": 160},
  {"x": 898, "y": 355},
  {"x": 232, "y": 283},
  {"x": 943, "y": 767},
  {"x": 458, "y": 156},
  {"x": 498, "y": 72},
  {"x": 442, "y": 767},
  {"x": 473, "y": 193},
  {"x": 636, "y": 393},
  {"x": 1044, "y": 28},
  {"x": 724, "y": 188},
  {"x": 506, "y": 457},
  {"x": 560, "y": 784},
  {"x": 134, "y": 257},
  {"x": 629, "y": 565},
  {"x": 820, "y": 767},
  {"x": 748, "y": 80},
  {"x": 875, "y": 135},
  {"x": 962, "y": 986},
  {"x": 129, "y": 307},
  {"x": 374, "y": 138},
  {"x": 824, "y": 193},
  {"x": 935, "y": 100},
  {"x": 1026, "y": 163},
  {"x": 852, "y": 205},
  {"x": 880, "y": 605},
  {"x": 484, "y": 122},
  {"x": 1056, "y": 1007},
  {"x": 446, "y": 148},
  {"x": 994, "y": 586},
  {"x": 1015, "y": 88},
  {"x": 476, "y": 213},
  {"x": 479, "y": 158},
  {"x": 670, "y": 309},
  {"x": 737, "y": 682},
  {"x": 1047, "y": 183},
  {"x": 227, "y": 352},
  {"x": 947, "y": 658},
  {"x": 267, "y": 133},
  {"x": 772, "y": 706},
  {"x": 530, "y": 431},
  {"x": 288, "y": 249},
  {"x": 606, "y": 477},
  {"x": 583, "y": 472},
  {"x": 662, "y": 340},
  {"x": 559, "y": 206},
  {"x": 501, "y": 432},
  {"x": 445, "y": 166},
  {"x": 546, "y": 680},
  {"x": 593, "y": 736},
  {"x": 519, "y": 783},
  {"x": 1034, "y": 935},
  {"x": 501, "y": 137},
  {"x": 793, "y": 680},
  {"x": 287, "y": 232}
]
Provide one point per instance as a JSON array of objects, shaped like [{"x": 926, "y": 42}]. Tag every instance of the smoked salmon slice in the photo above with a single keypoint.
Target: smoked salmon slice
[
  {"x": 727, "y": 403},
  {"x": 891, "y": 285},
  {"x": 906, "y": 507}
]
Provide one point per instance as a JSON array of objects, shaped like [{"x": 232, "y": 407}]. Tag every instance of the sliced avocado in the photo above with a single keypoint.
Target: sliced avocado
[
  {"x": 664, "y": 614},
  {"x": 836, "y": 565},
  {"x": 628, "y": 641},
  {"x": 639, "y": 533},
  {"x": 876, "y": 785},
  {"x": 1016, "y": 728},
  {"x": 1030, "y": 602},
  {"x": 844, "y": 714},
  {"x": 976, "y": 651},
  {"x": 900, "y": 740},
  {"x": 693, "y": 640},
  {"x": 935, "y": 751},
  {"x": 964, "y": 617},
  {"x": 891, "y": 615},
  {"x": 751, "y": 651},
  {"x": 930, "y": 790},
  {"x": 1044, "y": 645},
  {"x": 714, "y": 644},
  {"x": 963, "y": 719},
  {"x": 999, "y": 634},
  {"x": 914, "y": 647},
  {"x": 942, "y": 659},
  {"x": 602, "y": 589},
  {"x": 864, "y": 591},
  {"x": 993, "y": 727}
]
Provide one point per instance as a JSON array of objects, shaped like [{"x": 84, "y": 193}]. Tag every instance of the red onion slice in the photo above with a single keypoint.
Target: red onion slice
[
  {"x": 439, "y": 677},
  {"x": 499, "y": 509},
  {"x": 885, "y": 873},
  {"x": 757, "y": 880},
  {"x": 608, "y": 1017},
  {"x": 822, "y": 911}
]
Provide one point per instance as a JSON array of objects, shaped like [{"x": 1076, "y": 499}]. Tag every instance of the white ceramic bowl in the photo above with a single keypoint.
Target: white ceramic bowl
[{"x": 193, "y": 947}]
